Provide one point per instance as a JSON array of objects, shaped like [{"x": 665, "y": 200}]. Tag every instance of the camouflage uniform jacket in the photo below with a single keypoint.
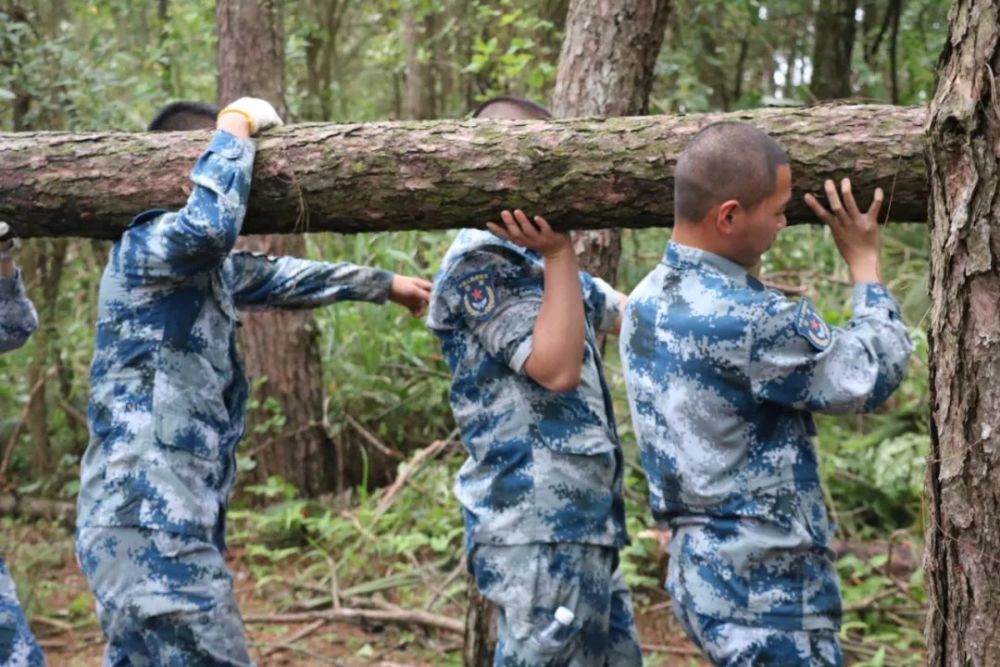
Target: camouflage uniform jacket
[
  {"x": 543, "y": 466},
  {"x": 17, "y": 315},
  {"x": 168, "y": 392},
  {"x": 722, "y": 375}
]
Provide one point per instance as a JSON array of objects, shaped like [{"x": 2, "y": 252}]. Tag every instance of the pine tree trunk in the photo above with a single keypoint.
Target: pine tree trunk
[
  {"x": 606, "y": 68},
  {"x": 279, "y": 348},
  {"x": 963, "y": 472},
  {"x": 585, "y": 174}
]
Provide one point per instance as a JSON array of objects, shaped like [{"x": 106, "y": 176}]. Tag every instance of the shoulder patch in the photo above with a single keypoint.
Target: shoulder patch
[
  {"x": 479, "y": 299},
  {"x": 811, "y": 326}
]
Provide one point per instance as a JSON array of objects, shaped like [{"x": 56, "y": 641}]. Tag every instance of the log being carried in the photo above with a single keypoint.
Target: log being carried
[{"x": 587, "y": 173}]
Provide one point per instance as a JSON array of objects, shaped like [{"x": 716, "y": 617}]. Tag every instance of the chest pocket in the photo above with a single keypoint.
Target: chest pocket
[{"x": 192, "y": 370}]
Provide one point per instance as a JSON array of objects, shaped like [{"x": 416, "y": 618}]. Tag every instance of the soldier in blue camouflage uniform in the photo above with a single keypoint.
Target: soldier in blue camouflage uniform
[
  {"x": 541, "y": 491},
  {"x": 167, "y": 406},
  {"x": 722, "y": 376},
  {"x": 18, "y": 320}
]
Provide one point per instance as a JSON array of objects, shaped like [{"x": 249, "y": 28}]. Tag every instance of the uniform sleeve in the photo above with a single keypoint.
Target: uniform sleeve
[
  {"x": 161, "y": 245},
  {"x": 497, "y": 301},
  {"x": 601, "y": 301},
  {"x": 287, "y": 282},
  {"x": 18, "y": 319},
  {"x": 797, "y": 360}
]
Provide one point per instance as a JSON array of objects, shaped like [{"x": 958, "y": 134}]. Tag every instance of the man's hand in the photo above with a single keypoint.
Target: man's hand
[
  {"x": 258, "y": 113},
  {"x": 856, "y": 233},
  {"x": 411, "y": 293},
  {"x": 537, "y": 235}
]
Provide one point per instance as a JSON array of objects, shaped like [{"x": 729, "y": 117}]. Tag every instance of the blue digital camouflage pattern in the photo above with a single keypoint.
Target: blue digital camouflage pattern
[
  {"x": 543, "y": 466},
  {"x": 163, "y": 600},
  {"x": 733, "y": 645},
  {"x": 18, "y": 319},
  {"x": 527, "y": 583},
  {"x": 722, "y": 375},
  {"x": 168, "y": 393},
  {"x": 18, "y": 647}
]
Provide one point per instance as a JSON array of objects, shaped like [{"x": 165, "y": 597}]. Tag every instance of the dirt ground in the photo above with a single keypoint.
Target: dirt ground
[{"x": 61, "y": 613}]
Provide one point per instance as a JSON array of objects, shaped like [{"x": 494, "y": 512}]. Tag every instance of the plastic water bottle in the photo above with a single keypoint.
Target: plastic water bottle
[{"x": 557, "y": 631}]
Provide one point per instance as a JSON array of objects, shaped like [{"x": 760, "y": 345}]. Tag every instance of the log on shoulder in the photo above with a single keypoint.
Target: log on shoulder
[{"x": 583, "y": 173}]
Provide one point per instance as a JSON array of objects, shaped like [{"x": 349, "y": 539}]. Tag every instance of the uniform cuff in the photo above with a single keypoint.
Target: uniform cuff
[
  {"x": 13, "y": 287},
  {"x": 382, "y": 282},
  {"x": 225, "y": 167},
  {"x": 873, "y": 298},
  {"x": 229, "y": 145},
  {"x": 521, "y": 354}
]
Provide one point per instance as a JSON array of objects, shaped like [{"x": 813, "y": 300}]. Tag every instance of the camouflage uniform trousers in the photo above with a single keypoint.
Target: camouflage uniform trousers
[
  {"x": 529, "y": 582},
  {"x": 729, "y": 644},
  {"x": 18, "y": 647},
  {"x": 163, "y": 599}
]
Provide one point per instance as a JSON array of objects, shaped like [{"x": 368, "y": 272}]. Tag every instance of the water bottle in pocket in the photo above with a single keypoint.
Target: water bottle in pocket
[{"x": 555, "y": 633}]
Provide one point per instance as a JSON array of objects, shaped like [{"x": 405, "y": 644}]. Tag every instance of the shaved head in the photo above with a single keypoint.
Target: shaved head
[
  {"x": 725, "y": 161},
  {"x": 511, "y": 108}
]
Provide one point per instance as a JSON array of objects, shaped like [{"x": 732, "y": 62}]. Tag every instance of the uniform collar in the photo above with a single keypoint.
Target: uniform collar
[{"x": 687, "y": 257}]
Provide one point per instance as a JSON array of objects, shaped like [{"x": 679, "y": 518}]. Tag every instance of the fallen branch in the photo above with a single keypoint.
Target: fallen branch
[
  {"x": 393, "y": 615},
  {"x": 37, "y": 508},
  {"x": 426, "y": 453},
  {"x": 286, "y": 645},
  {"x": 371, "y": 439}
]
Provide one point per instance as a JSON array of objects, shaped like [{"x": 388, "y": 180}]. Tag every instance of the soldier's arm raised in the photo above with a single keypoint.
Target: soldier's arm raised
[
  {"x": 556, "y": 356},
  {"x": 796, "y": 359}
]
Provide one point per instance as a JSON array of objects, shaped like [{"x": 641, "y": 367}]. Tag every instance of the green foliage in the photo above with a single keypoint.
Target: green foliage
[{"x": 109, "y": 64}]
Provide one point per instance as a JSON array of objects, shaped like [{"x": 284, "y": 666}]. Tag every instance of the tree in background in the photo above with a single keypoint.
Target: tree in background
[
  {"x": 834, "y": 30},
  {"x": 278, "y": 348},
  {"x": 606, "y": 68}
]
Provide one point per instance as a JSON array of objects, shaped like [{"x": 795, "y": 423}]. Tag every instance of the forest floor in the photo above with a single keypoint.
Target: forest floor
[{"x": 60, "y": 608}]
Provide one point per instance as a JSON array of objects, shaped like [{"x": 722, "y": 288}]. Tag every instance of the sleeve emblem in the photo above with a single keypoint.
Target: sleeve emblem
[
  {"x": 478, "y": 296},
  {"x": 811, "y": 326}
]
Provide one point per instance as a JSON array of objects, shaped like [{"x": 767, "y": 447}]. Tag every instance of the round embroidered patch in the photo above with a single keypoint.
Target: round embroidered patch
[
  {"x": 811, "y": 326},
  {"x": 478, "y": 296}
]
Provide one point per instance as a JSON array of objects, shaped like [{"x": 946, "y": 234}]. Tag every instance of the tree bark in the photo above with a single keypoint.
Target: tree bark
[
  {"x": 834, "y": 29},
  {"x": 584, "y": 174},
  {"x": 279, "y": 347},
  {"x": 606, "y": 68},
  {"x": 963, "y": 471}
]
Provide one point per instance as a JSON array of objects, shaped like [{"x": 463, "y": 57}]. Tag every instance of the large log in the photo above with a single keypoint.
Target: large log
[{"x": 584, "y": 173}]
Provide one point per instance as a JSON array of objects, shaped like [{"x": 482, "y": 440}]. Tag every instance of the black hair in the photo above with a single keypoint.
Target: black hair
[
  {"x": 727, "y": 160},
  {"x": 180, "y": 116},
  {"x": 532, "y": 110}
]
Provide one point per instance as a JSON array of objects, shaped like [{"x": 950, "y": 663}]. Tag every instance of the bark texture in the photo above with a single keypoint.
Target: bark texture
[
  {"x": 279, "y": 348},
  {"x": 584, "y": 174},
  {"x": 606, "y": 68},
  {"x": 963, "y": 472}
]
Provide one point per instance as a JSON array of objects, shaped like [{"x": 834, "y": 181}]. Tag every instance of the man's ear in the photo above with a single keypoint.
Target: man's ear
[{"x": 726, "y": 216}]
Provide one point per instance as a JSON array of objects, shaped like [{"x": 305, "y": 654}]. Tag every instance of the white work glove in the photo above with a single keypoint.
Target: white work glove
[{"x": 259, "y": 113}]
